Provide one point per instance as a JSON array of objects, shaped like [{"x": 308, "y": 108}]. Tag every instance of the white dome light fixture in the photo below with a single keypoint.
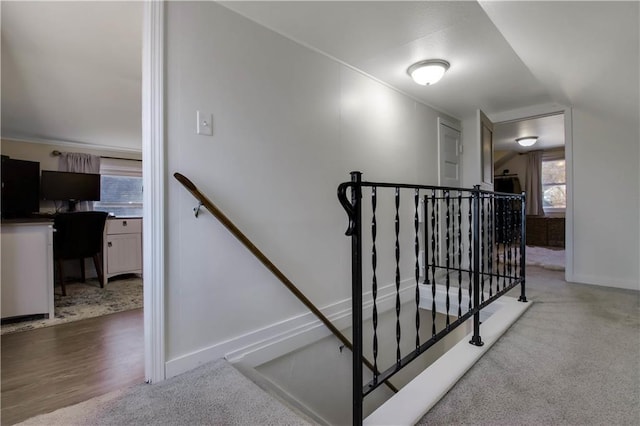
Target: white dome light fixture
[
  {"x": 428, "y": 72},
  {"x": 527, "y": 140}
]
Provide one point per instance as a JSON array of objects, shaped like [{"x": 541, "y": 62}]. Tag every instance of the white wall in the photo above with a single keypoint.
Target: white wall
[
  {"x": 289, "y": 124},
  {"x": 606, "y": 203},
  {"x": 471, "y": 174},
  {"x": 516, "y": 165}
]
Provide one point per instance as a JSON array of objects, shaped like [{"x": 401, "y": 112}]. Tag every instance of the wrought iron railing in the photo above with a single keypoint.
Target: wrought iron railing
[{"x": 462, "y": 250}]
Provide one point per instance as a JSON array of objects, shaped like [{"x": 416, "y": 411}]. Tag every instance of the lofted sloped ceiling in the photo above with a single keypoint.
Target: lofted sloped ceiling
[
  {"x": 504, "y": 55},
  {"x": 71, "y": 70},
  {"x": 384, "y": 38}
]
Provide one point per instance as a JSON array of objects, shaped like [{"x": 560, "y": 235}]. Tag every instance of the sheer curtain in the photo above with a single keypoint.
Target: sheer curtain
[
  {"x": 79, "y": 163},
  {"x": 534, "y": 183}
]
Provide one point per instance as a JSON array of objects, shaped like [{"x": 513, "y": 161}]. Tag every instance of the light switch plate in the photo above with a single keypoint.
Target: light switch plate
[{"x": 205, "y": 123}]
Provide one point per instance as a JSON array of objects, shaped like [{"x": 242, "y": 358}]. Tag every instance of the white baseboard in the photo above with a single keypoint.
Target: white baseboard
[
  {"x": 604, "y": 281},
  {"x": 265, "y": 344},
  {"x": 262, "y": 345}
]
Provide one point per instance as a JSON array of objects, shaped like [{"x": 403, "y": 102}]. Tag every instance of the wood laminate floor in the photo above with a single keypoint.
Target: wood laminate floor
[{"x": 54, "y": 367}]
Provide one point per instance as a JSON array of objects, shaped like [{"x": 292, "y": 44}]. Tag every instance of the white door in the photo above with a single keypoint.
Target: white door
[
  {"x": 449, "y": 149},
  {"x": 449, "y": 165}
]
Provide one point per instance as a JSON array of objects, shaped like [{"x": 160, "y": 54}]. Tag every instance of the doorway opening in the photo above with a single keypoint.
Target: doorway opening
[{"x": 539, "y": 170}]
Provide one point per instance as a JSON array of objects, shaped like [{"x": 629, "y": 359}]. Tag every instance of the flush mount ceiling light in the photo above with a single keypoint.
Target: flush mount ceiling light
[
  {"x": 527, "y": 141},
  {"x": 428, "y": 72}
]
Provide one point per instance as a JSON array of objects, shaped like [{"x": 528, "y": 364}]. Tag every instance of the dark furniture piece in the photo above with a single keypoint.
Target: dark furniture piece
[
  {"x": 506, "y": 228},
  {"x": 78, "y": 235},
  {"x": 545, "y": 231},
  {"x": 507, "y": 183},
  {"x": 20, "y": 188}
]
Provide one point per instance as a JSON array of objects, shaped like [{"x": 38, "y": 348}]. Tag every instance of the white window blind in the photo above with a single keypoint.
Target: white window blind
[{"x": 120, "y": 187}]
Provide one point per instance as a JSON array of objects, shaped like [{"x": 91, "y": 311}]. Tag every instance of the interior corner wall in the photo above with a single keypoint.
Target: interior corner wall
[
  {"x": 472, "y": 174},
  {"x": 289, "y": 124},
  {"x": 606, "y": 201},
  {"x": 516, "y": 165}
]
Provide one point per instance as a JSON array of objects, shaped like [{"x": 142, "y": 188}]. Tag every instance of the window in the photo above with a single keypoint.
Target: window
[
  {"x": 554, "y": 187},
  {"x": 120, "y": 187}
]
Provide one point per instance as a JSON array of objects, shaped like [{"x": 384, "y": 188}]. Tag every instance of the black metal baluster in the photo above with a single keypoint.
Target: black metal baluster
[
  {"x": 425, "y": 216},
  {"x": 459, "y": 254},
  {"x": 470, "y": 254},
  {"x": 523, "y": 247},
  {"x": 482, "y": 244},
  {"x": 398, "y": 355},
  {"x": 448, "y": 251},
  {"x": 490, "y": 244},
  {"x": 505, "y": 234},
  {"x": 499, "y": 237},
  {"x": 438, "y": 232},
  {"x": 510, "y": 237},
  {"x": 374, "y": 284},
  {"x": 516, "y": 233},
  {"x": 416, "y": 223},
  {"x": 514, "y": 243},
  {"x": 433, "y": 261}
]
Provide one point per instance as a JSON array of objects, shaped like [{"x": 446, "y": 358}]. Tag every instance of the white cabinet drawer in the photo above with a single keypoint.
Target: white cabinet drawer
[
  {"x": 124, "y": 253},
  {"x": 124, "y": 226}
]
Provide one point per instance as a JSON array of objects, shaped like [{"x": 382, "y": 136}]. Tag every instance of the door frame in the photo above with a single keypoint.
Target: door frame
[
  {"x": 153, "y": 179},
  {"x": 486, "y": 150},
  {"x": 541, "y": 111}
]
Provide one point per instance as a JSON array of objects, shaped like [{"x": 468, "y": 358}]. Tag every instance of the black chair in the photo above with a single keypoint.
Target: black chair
[{"x": 78, "y": 235}]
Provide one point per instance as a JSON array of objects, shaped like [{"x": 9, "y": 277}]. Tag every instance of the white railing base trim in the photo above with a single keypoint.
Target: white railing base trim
[{"x": 415, "y": 399}]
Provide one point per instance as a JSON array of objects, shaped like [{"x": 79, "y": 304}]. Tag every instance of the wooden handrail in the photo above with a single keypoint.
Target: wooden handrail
[{"x": 204, "y": 201}]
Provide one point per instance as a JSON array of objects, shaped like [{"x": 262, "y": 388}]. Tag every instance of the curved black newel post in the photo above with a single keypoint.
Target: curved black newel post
[
  {"x": 476, "y": 339},
  {"x": 523, "y": 246},
  {"x": 356, "y": 295}
]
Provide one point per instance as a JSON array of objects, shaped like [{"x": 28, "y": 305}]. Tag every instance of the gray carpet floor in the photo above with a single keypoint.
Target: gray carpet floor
[
  {"x": 213, "y": 394},
  {"x": 572, "y": 359}
]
